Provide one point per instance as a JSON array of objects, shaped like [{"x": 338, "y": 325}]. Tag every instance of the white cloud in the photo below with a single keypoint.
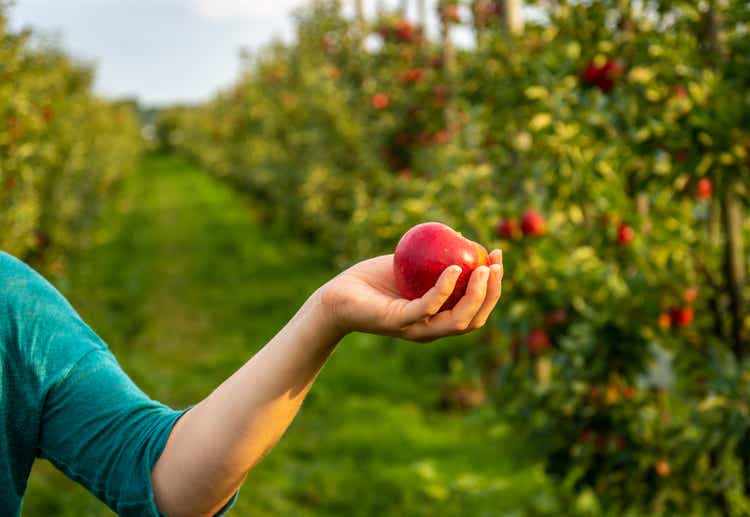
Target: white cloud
[{"x": 222, "y": 10}]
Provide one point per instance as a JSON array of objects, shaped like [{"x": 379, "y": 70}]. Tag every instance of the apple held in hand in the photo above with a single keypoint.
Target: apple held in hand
[{"x": 425, "y": 251}]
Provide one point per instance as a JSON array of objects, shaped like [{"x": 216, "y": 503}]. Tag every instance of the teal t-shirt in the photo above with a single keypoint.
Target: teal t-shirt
[{"x": 65, "y": 398}]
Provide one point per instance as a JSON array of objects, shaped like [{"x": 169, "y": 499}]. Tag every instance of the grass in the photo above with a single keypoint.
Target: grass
[{"x": 185, "y": 283}]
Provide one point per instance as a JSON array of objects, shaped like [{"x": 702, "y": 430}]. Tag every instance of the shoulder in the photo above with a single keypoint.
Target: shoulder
[
  {"x": 16, "y": 275},
  {"x": 38, "y": 323},
  {"x": 21, "y": 285}
]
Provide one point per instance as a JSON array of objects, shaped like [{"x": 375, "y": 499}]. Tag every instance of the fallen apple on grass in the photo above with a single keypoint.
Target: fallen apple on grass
[{"x": 425, "y": 251}]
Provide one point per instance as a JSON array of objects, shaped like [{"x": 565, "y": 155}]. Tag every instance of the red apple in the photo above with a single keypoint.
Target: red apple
[
  {"x": 441, "y": 137},
  {"x": 590, "y": 74},
  {"x": 609, "y": 75},
  {"x": 682, "y": 316},
  {"x": 690, "y": 294},
  {"x": 425, "y": 251},
  {"x": 556, "y": 317},
  {"x": 603, "y": 77},
  {"x": 411, "y": 76},
  {"x": 538, "y": 342},
  {"x": 680, "y": 91},
  {"x": 506, "y": 228},
  {"x": 625, "y": 235},
  {"x": 406, "y": 31},
  {"x": 450, "y": 13},
  {"x": 533, "y": 224},
  {"x": 704, "y": 189},
  {"x": 662, "y": 468},
  {"x": 380, "y": 101}
]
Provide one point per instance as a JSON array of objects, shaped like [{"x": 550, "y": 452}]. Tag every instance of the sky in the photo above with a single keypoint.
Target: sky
[{"x": 162, "y": 51}]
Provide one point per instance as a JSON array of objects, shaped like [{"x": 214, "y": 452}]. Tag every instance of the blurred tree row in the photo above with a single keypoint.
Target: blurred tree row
[
  {"x": 61, "y": 148},
  {"x": 605, "y": 146}
]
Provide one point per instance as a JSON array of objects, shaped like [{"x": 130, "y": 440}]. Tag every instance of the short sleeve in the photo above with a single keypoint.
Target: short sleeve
[
  {"x": 99, "y": 429},
  {"x": 73, "y": 403}
]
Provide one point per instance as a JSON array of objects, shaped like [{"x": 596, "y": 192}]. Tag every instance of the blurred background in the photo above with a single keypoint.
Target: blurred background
[{"x": 187, "y": 172}]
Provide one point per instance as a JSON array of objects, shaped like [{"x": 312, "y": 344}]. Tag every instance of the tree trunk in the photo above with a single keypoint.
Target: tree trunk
[
  {"x": 359, "y": 14},
  {"x": 451, "y": 118},
  {"x": 714, "y": 224},
  {"x": 643, "y": 207},
  {"x": 513, "y": 16},
  {"x": 422, "y": 13},
  {"x": 735, "y": 267},
  {"x": 379, "y": 8},
  {"x": 404, "y": 9}
]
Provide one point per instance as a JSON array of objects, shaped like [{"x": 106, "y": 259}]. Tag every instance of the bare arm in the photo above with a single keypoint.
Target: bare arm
[{"x": 214, "y": 445}]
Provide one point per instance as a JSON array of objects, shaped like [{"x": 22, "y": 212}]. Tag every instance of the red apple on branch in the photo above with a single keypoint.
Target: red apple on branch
[
  {"x": 380, "y": 101},
  {"x": 604, "y": 75},
  {"x": 704, "y": 189},
  {"x": 538, "y": 342},
  {"x": 533, "y": 224},
  {"x": 425, "y": 251},
  {"x": 682, "y": 316},
  {"x": 662, "y": 468},
  {"x": 625, "y": 235},
  {"x": 506, "y": 229}
]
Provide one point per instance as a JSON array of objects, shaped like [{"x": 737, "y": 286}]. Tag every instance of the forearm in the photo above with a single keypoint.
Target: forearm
[{"x": 215, "y": 444}]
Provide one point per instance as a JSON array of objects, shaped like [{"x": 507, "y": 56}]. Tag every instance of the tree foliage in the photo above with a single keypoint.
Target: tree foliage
[
  {"x": 622, "y": 341},
  {"x": 61, "y": 148}
]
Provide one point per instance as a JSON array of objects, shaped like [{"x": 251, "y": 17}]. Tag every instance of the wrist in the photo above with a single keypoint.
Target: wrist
[{"x": 326, "y": 309}]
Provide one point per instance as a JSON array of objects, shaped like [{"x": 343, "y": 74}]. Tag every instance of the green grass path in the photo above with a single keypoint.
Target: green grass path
[{"x": 185, "y": 283}]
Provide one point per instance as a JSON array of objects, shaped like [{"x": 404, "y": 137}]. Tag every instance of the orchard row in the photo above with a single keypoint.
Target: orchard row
[
  {"x": 61, "y": 149},
  {"x": 605, "y": 149}
]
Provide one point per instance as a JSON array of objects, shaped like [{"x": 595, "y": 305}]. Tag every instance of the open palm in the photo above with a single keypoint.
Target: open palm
[{"x": 364, "y": 298}]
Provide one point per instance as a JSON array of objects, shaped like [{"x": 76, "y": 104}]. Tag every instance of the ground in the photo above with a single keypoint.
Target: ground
[{"x": 185, "y": 281}]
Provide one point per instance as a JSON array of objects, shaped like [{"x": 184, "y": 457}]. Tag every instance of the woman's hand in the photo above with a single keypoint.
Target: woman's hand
[{"x": 364, "y": 298}]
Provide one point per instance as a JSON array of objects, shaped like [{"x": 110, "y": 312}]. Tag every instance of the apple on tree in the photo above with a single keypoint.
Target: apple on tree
[
  {"x": 533, "y": 224},
  {"x": 661, "y": 466},
  {"x": 682, "y": 316},
  {"x": 380, "y": 101},
  {"x": 506, "y": 229},
  {"x": 704, "y": 189},
  {"x": 538, "y": 342},
  {"x": 625, "y": 235},
  {"x": 602, "y": 73}
]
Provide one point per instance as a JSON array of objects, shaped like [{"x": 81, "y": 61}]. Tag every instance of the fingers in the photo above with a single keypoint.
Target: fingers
[
  {"x": 430, "y": 303},
  {"x": 467, "y": 307},
  {"x": 494, "y": 290},
  {"x": 496, "y": 257},
  {"x": 457, "y": 320},
  {"x": 472, "y": 311}
]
